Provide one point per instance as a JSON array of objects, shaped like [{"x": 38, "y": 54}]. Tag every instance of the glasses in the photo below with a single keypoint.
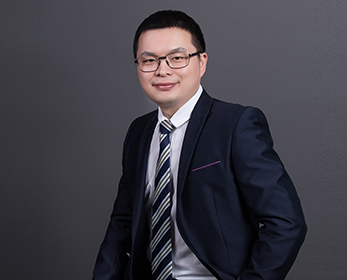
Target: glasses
[{"x": 176, "y": 60}]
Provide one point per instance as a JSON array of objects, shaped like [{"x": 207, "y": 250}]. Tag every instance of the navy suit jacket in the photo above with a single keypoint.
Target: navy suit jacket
[{"x": 237, "y": 208}]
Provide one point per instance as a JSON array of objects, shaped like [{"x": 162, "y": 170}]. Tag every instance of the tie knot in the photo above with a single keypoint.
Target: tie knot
[{"x": 166, "y": 127}]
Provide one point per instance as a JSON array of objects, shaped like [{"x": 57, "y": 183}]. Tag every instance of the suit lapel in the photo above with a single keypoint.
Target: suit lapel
[
  {"x": 141, "y": 167},
  {"x": 195, "y": 125}
]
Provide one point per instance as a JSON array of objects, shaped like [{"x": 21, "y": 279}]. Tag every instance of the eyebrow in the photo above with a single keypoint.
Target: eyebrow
[{"x": 179, "y": 49}]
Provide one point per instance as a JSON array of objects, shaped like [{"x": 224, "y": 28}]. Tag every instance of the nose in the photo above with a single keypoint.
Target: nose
[{"x": 163, "y": 68}]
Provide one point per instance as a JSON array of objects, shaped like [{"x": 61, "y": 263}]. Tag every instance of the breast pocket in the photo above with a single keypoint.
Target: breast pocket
[{"x": 208, "y": 168}]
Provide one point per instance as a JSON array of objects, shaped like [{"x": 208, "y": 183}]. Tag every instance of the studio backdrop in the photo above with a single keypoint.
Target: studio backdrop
[{"x": 69, "y": 90}]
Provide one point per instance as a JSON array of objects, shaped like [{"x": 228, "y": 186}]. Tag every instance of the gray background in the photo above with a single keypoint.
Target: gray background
[{"x": 69, "y": 90}]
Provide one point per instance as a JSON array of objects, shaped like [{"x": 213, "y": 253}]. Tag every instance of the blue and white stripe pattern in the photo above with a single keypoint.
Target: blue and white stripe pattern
[{"x": 161, "y": 221}]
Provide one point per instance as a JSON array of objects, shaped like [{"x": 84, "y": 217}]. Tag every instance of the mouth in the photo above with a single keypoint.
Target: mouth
[{"x": 164, "y": 85}]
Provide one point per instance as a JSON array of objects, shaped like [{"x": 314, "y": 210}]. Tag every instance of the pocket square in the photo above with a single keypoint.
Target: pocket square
[{"x": 207, "y": 165}]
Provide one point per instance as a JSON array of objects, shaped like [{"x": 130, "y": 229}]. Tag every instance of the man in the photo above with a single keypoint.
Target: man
[{"x": 203, "y": 194}]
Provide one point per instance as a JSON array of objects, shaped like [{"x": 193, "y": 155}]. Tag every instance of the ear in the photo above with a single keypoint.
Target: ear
[{"x": 203, "y": 63}]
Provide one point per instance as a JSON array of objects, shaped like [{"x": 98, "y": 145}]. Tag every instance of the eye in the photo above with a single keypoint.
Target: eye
[
  {"x": 147, "y": 60},
  {"x": 177, "y": 57}
]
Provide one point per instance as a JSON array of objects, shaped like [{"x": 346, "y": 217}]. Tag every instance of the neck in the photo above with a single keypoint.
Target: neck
[{"x": 168, "y": 113}]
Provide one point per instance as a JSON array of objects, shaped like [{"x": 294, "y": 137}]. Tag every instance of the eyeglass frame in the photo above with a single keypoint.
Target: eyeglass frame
[{"x": 167, "y": 62}]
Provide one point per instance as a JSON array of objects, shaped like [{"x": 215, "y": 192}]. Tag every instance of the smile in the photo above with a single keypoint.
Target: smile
[{"x": 164, "y": 86}]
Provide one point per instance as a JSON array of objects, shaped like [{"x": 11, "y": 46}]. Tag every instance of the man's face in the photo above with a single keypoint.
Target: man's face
[{"x": 170, "y": 88}]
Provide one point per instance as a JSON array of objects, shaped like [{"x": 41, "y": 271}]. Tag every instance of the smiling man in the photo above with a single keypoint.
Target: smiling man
[
  {"x": 203, "y": 195},
  {"x": 170, "y": 88}
]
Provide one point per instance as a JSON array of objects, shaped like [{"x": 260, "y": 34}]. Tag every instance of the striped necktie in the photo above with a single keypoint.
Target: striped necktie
[{"x": 161, "y": 207}]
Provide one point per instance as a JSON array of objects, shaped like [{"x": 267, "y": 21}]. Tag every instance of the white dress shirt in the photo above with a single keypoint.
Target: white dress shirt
[{"x": 185, "y": 265}]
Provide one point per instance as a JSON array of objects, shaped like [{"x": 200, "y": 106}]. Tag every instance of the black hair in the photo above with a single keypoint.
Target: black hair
[{"x": 167, "y": 19}]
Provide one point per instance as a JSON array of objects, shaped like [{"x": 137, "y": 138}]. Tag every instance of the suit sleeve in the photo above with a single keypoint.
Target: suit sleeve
[
  {"x": 113, "y": 256},
  {"x": 270, "y": 197}
]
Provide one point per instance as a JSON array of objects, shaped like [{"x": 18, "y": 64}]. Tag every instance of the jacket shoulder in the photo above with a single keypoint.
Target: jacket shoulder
[
  {"x": 231, "y": 110},
  {"x": 141, "y": 122},
  {"x": 145, "y": 118}
]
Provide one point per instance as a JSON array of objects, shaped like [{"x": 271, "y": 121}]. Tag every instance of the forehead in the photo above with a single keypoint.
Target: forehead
[{"x": 162, "y": 41}]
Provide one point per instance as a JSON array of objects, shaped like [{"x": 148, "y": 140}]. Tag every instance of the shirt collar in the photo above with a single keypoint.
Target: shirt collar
[{"x": 182, "y": 115}]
